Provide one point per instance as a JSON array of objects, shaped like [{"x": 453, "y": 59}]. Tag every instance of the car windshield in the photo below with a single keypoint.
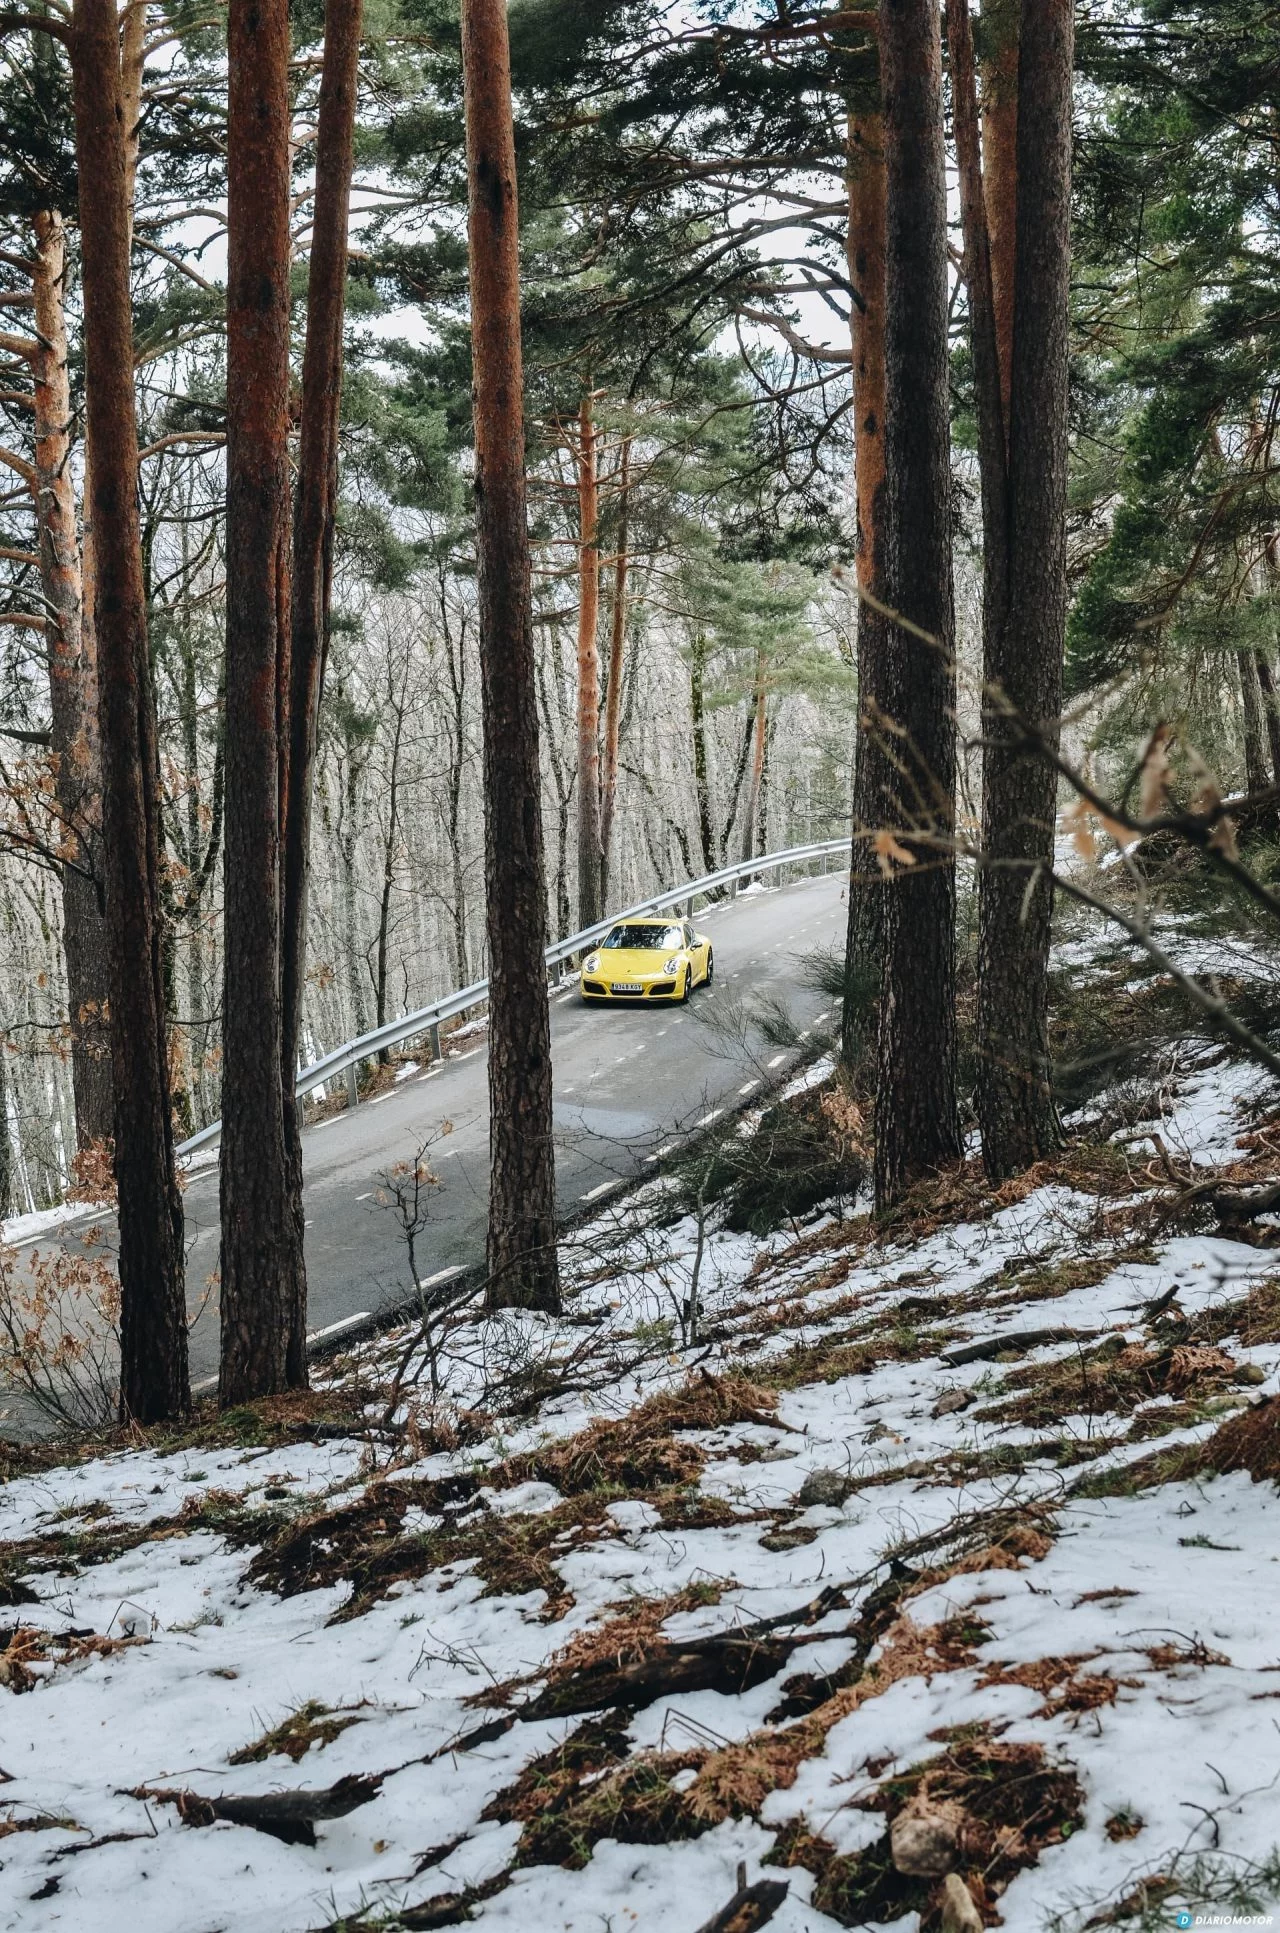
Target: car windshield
[{"x": 645, "y": 939}]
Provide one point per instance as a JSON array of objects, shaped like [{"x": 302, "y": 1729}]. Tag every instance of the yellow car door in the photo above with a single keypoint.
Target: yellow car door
[{"x": 699, "y": 947}]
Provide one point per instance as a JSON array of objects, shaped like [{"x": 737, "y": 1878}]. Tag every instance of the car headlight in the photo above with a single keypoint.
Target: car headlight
[
  {"x": 669, "y": 966},
  {"x": 592, "y": 963}
]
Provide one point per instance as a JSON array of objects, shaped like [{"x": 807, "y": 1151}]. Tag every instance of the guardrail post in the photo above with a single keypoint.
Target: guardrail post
[
  {"x": 434, "y": 1033},
  {"x": 353, "y": 1085}
]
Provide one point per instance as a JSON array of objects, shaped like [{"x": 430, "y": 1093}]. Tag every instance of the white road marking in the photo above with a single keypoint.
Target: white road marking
[
  {"x": 707, "y": 1119},
  {"x": 379, "y": 1098},
  {"x": 601, "y": 1188},
  {"x": 470, "y": 1053},
  {"x": 750, "y": 1087},
  {"x": 777, "y": 1060},
  {"x": 659, "y": 1152},
  {"x": 441, "y": 1275},
  {"x": 332, "y": 1122},
  {"x": 367, "y": 1195},
  {"x": 447, "y": 1155}
]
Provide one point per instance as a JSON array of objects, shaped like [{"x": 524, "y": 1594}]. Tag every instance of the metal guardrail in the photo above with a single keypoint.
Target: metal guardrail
[{"x": 427, "y": 1020}]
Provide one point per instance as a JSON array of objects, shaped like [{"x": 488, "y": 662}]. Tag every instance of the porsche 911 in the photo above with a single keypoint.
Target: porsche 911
[{"x": 648, "y": 959}]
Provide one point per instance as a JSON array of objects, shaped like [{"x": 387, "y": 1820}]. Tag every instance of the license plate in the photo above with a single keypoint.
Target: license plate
[{"x": 614, "y": 988}]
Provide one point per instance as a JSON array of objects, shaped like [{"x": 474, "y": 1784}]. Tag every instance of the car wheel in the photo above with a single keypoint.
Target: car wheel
[
  {"x": 711, "y": 969},
  {"x": 686, "y": 985}
]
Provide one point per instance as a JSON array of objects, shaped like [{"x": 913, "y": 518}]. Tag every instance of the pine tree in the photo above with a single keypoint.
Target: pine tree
[
  {"x": 917, "y": 1127},
  {"x": 522, "y": 1260},
  {"x": 153, "y": 1328},
  {"x": 259, "y": 1233}
]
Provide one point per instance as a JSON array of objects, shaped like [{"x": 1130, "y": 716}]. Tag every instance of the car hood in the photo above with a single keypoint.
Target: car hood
[{"x": 627, "y": 963}]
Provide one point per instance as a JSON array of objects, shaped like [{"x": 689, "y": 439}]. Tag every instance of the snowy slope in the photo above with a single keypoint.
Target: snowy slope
[{"x": 564, "y": 1657}]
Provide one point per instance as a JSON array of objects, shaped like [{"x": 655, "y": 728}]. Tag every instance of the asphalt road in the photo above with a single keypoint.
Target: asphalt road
[{"x": 630, "y": 1083}]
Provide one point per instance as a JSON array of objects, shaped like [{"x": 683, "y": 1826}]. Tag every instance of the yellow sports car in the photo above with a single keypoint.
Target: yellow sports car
[{"x": 653, "y": 959}]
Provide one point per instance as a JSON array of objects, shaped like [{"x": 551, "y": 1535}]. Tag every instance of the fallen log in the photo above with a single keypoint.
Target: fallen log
[
  {"x": 1013, "y": 1339},
  {"x": 1245, "y": 1204},
  {"x": 289, "y": 1816}
]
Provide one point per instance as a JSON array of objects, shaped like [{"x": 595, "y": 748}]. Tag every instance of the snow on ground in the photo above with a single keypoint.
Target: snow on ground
[
  {"x": 920, "y": 1520},
  {"x": 40, "y": 1222}
]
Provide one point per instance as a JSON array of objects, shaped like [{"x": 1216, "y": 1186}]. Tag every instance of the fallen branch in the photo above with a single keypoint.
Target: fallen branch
[
  {"x": 1017, "y": 1339},
  {"x": 1245, "y": 1204},
  {"x": 750, "y": 1907},
  {"x": 289, "y": 1816}
]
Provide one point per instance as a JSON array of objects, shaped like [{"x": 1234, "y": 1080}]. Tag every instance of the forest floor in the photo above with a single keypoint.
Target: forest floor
[{"x": 950, "y": 1546}]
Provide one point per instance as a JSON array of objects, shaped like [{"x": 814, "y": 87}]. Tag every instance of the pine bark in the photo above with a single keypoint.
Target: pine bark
[
  {"x": 1023, "y": 673},
  {"x": 1000, "y": 32},
  {"x": 1256, "y": 777},
  {"x": 589, "y": 841},
  {"x": 1270, "y": 711},
  {"x": 917, "y": 1126},
  {"x": 73, "y": 692},
  {"x": 617, "y": 659},
  {"x": 258, "y": 1232},
  {"x": 865, "y": 250},
  {"x": 522, "y": 1259},
  {"x": 314, "y": 524},
  {"x": 153, "y": 1327}
]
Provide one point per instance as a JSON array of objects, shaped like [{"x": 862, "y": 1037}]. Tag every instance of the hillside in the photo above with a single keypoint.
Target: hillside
[{"x": 948, "y": 1547}]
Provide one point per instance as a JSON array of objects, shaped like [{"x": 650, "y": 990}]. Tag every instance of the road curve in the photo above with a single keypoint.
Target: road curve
[{"x": 629, "y": 1084}]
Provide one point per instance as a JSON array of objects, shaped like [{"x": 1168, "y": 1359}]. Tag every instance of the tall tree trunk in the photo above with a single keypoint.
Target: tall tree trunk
[
  {"x": 73, "y": 692},
  {"x": 735, "y": 790},
  {"x": 1024, "y": 671},
  {"x": 759, "y": 728},
  {"x": 617, "y": 659},
  {"x": 1270, "y": 711},
  {"x": 457, "y": 760},
  {"x": 258, "y": 1233},
  {"x": 153, "y": 1318},
  {"x": 1256, "y": 776},
  {"x": 6, "y": 1141},
  {"x": 865, "y": 245},
  {"x": 917, "y": 1126},
  {"x": 762, "y": 810},
  {"x": 317, "y": 502},
  {"x": 389, "y": 845},
  {"x": 589, "y": 843},
  {"x": 701, "y": 773},
  {"x": 522, "y": 1259},
  {"x": 1000, "y": 29}
]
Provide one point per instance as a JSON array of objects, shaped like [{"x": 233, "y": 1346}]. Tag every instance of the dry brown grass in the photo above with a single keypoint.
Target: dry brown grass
[
  {"x": 1062, "y": 1683},
  {"x": 1009, "y": 1802},
  {"x": 642, "y": 1451},
  {"x": 632, "y": 1632},
  {"x": 26, "y": 1647},
  {"x": 312, "y": 1724},
  {"x": 1249, "y": 1441}
]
